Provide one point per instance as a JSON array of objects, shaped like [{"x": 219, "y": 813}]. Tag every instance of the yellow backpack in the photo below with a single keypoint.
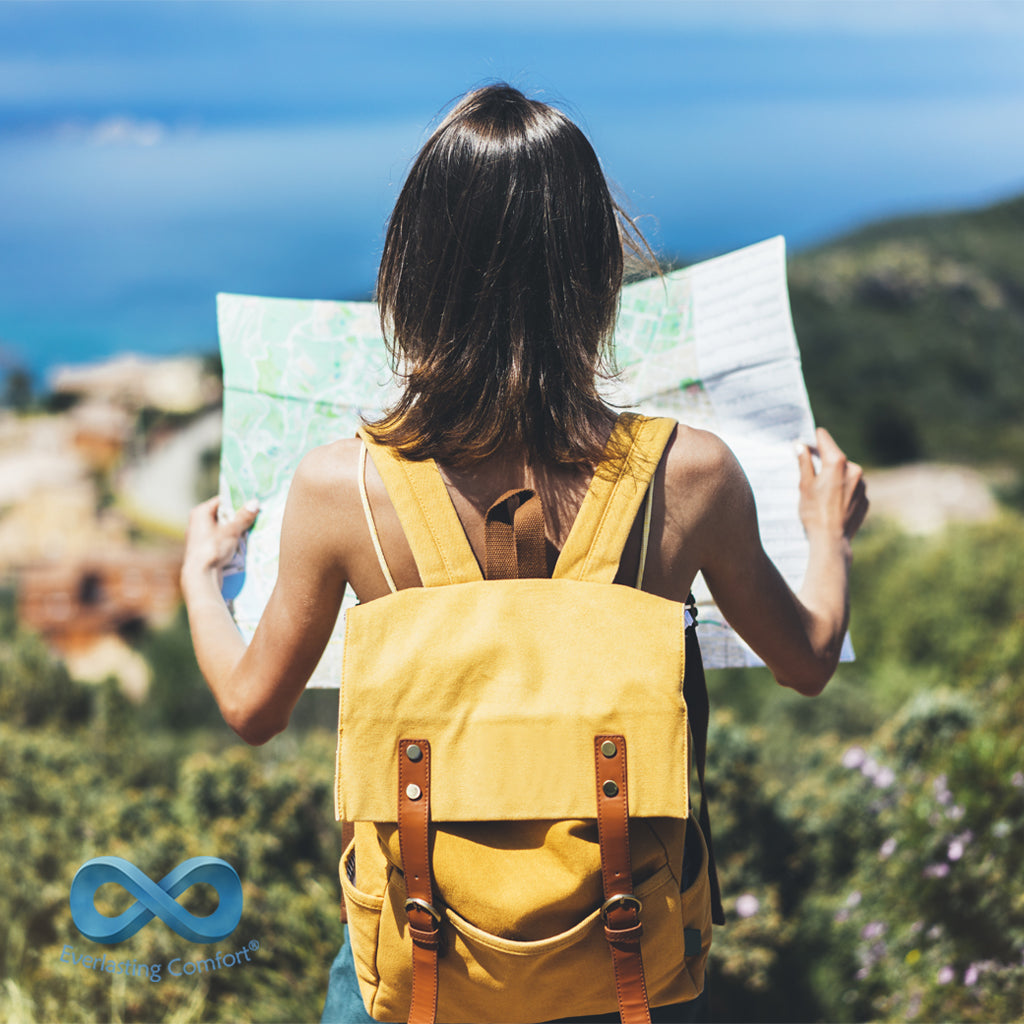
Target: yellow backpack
[{"x": 506, "y": 865}]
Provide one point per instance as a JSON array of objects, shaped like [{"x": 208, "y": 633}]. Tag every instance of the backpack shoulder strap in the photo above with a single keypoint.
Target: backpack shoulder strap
[
  {"x": 431, "y": 525},
  {"x": 594, "y": 546}
]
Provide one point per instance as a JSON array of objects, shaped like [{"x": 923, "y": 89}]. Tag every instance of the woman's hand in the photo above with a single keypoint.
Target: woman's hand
[
  {"x": 833, "y": 504},
  {"x": 833, "y": 500},
  {"x": 256, "y": 685},
  {"x": 211, "y": 542}
]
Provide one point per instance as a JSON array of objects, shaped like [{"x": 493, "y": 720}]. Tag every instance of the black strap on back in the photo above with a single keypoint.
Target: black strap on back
[{"x": 698, "y": 707}]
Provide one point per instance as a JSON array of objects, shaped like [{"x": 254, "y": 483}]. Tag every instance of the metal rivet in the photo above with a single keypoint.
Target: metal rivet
[
  {"x": 413, "y": 752},
  {"x": 610, "y": 789},
  {"x": 609, "y": 749},
  {"x": 413, "y": 792}
]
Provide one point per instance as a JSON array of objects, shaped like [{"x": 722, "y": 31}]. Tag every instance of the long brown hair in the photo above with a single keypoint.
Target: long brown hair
[{"x": 499, "y": 287}]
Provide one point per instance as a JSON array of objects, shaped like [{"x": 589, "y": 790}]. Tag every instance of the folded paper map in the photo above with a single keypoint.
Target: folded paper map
[{"x": 711, "y": 345}]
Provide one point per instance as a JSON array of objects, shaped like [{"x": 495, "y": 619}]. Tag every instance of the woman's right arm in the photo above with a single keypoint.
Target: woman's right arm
[{"x": 798, "y": 635}]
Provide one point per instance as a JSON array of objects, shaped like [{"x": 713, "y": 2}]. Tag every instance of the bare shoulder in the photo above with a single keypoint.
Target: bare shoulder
[
  {"x": 700, "y": 467},
  {"x": 324, "y": 489},
  {"x": 330, "y": 471}
]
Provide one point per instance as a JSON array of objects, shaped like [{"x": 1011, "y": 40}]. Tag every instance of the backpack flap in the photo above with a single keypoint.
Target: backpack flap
[{"x": 510, "y": 681}]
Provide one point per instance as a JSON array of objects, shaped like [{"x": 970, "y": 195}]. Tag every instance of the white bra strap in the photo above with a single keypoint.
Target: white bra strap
[
  {"x": 648, "y": 502},
  {"x": 369, "y": 520}
]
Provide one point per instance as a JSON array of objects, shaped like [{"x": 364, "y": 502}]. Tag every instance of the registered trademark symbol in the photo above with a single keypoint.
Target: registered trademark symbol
[{"x": 253, "y": 944}]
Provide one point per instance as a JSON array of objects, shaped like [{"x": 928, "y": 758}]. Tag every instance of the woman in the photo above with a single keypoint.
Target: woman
[{"x": 498, "y": 290}]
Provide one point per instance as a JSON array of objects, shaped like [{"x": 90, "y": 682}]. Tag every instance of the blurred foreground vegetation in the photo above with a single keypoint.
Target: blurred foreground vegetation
[
  {"x": 877, "y": 828},
  {"x": 85, "y": 773},
  {"x": 869, "y": 840}
]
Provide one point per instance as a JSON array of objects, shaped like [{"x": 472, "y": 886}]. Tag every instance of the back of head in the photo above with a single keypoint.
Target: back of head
[{"x": 499, "y": 286}]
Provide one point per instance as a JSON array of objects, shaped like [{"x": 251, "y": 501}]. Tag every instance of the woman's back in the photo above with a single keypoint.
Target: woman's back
[{"x": 685, "y": 483}]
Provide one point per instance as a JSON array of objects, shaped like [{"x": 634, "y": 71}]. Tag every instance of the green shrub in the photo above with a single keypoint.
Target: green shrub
[{"x": 83, "y": 793}]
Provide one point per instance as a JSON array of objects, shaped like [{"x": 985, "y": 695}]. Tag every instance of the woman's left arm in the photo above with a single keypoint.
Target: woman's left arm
[{"x": 257, "y": 686}]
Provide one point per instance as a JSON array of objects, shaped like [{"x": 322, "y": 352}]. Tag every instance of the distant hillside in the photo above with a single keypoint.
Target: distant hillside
[{"x": 912, "y": 335}]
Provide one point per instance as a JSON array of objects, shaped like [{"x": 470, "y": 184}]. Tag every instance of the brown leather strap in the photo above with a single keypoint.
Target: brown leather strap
[
  {"x": 621, "y": 910},
  {"x": 514, "y": 537},
  {"x": 414, "y": 842}
]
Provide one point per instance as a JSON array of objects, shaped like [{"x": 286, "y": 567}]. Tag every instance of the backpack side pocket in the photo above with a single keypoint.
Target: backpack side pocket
[{"x": 364, "y": 912}]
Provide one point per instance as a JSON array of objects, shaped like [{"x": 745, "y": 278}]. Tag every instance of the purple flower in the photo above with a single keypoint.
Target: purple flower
[
  {"x": 747, "y": 905},
  {"x": 946, "y": 975},
  {"x": 1018, "y": 779},
  {"x": 854, "y": 757},
  {"x": 887, "y": 849},
  {"x": 941, "y": 790},
  {"x": 870, "y": 768},
  {"x": 936, "y": 871},
  {"x": 873, "y": 930},
  {"x": 959, "y": 843},
  {"x": 971, "y": 975},
  {"x": 884, "y": 778}
]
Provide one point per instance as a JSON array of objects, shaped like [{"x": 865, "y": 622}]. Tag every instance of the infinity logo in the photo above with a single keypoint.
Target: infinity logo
[{"x": 156, "y": 899}]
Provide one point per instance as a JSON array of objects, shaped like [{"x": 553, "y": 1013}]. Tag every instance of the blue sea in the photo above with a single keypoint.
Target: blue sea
[{"x": 154, "y": 154}]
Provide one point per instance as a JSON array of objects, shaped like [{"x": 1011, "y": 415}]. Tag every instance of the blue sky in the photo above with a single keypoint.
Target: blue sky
[{"x": 153, "y": 154}]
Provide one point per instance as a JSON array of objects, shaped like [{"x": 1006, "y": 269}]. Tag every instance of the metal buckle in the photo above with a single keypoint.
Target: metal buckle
[
  {"x": 620, "y": 900},
  {"x": 414, "y": 903}
]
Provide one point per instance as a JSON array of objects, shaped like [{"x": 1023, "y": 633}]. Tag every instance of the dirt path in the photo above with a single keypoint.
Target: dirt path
[{"x": 926, "y": 497}]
